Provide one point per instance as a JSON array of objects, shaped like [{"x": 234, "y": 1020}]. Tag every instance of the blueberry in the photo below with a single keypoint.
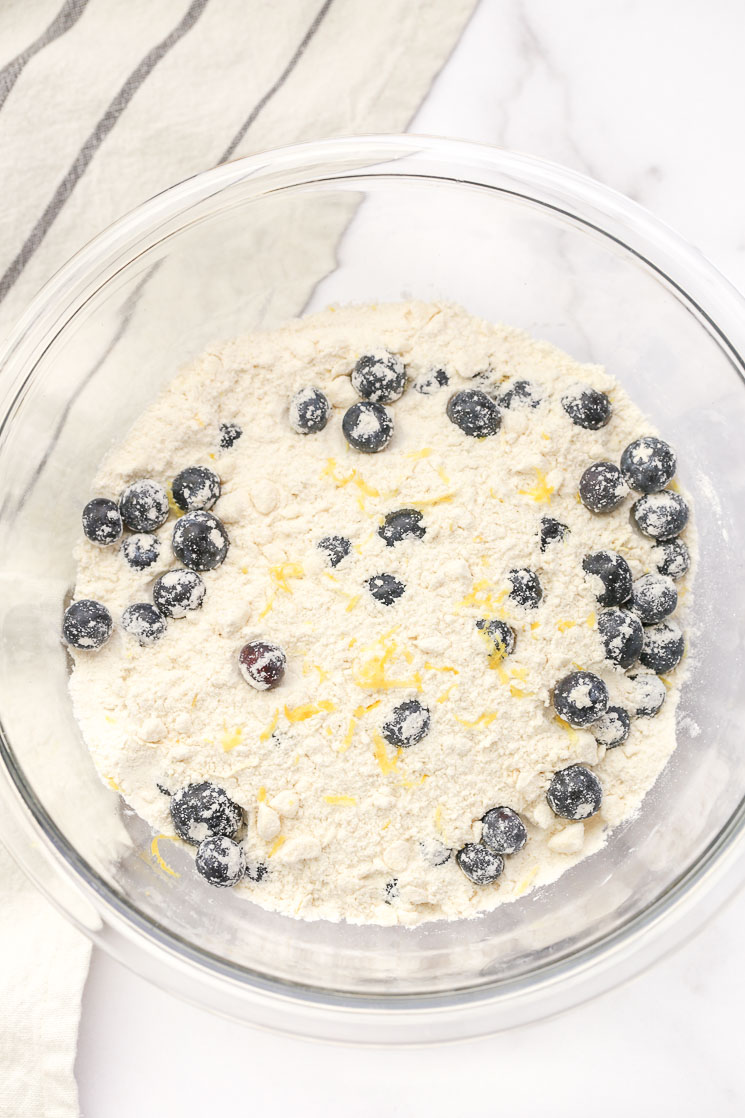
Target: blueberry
[
  {"x": 574, "y": 793},
  {"x": 661, "y": 515},
  {"x": 87, "y": 625},
  {"x": 309, "y": 411},
  {"x": 501, "y": 634},
  {"x": 622, "y": 635},
  {"x": 612, "y": 728},
  {"x": 102, "y": 522},
  {"x": 336, "y": 548},
  {"x": 580, "y": 698},
  {"x": 200, "y": 541},
  {"x": 229, "y": 435},
  {"x": 196, "y": 487},
  {"x": 601, "y": 487},
  {"x": 407, "y": 725},
  {"x": 262, "y": 664},
  {"x": 431, "y": 382},
  {"x": 503, "y": 831},
  {"x": 178, "y": 592},
  {"x": 434, "y": 852},
  {"x": 201, "y": 811},
  {"x": 144, "y": 505},
  {"x": 526, "y": 587},
  {"x": 256, "y": 871},
  {"x": 521, "y": 394},
  {"x": 385, "y": 588},
  {"x": 381, "y": 378},
  {"x": 672, "y": 558},
  {"x": 648, "y": 464},
  {"x": 653, "y": 598},
  {"x": 141, "y": 550},
  {"x": 551, "y": 531},
  {"x": 403, "y": 524},
  {"x": 144, "y": 622},
  {"x": 367, "y": 427},
  {"x": 391, "y": 890},
  {"x": 221, "y": 861},
  {"x": 479, "y": 864},
  {"x": 586, "y": 407},
  {"x": 474, "y": 412},
  {"x": 663, "y": 647},
  {"x": 613, "y": 572},
  {"x": 648, "y": 694}
]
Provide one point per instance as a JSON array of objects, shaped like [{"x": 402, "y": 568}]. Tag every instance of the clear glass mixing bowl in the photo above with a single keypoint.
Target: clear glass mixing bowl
[{"x": 384, "y": 218}]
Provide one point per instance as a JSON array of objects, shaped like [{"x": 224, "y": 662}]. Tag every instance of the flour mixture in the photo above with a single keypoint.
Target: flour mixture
[{"x": 373, "y": 611}]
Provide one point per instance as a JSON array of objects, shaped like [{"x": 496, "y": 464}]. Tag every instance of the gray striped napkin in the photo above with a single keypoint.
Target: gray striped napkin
[{"x": 103, "y": 103}]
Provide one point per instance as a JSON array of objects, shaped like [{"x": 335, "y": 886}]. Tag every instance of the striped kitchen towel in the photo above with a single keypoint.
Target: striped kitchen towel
[{"x": 103, "y": 103}]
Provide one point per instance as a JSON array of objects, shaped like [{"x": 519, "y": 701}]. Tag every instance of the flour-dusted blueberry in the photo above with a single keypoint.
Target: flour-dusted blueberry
[
  {"x": 602, "y": 488},
  {"x": 392, "y": 891},
  {"x": 407, "y": 724},
  {"x": 178, "y": 592},
  {"x": 614, "y": 574},
  {"x": 203, "y": 810},
  {"x": 256, "y": 871},
  {"x": 526, "y": 587},
  {"x": 653, "y": 598},
  {"x": 661, "y": 515},
  {"x": 663, "y": 647},
  {"x": 479, "y": 864},
  {"x": 144, "y": 505},
  {"x": 551, "y": 531},
  {"x": 87, "y": 625},
  {"x": 102, "y": 521},
  {"x": 521, "y": 394},
  {"x": 648, "y": 694},
  {"x": 196, "y": 487},
  {"x": 385, "y": 588},
  {"x": 434, "y": 851},
  {"x": 612, "y": 728},
  {"x": 144, "y": 622},
  {"x": 432, "y": 381},
  {"x": 221, "y": 861},
  {"x": 200, "y": 541},
  {"x": 367, "y": 427},
  {"x": 501, "y": 636},
  {"x": 262, "y": 664},
  {"x": 648, "y": 464},
  {"x": 403, "y": 524},
  {"x": 336, "y": 549},
  {"x": 586, "y": 407},
  {"x": 575, "y": 793},
  {"x": 141, "y": 550},
  {"x": 580, "y": 698},
  {"x": 229, "y": 435},
  {"x": 309, "y": 411},
  {"x": 503, "y": 831},
  {"x": 379, "y": 377},
  {"x": 672, "y": 558},
  {"x": 622, "y": 635},
  {"x": 474, "y": 412}
]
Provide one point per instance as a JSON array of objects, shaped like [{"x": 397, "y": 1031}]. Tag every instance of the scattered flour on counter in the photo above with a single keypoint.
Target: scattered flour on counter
[{"x": 349, "y": 827}]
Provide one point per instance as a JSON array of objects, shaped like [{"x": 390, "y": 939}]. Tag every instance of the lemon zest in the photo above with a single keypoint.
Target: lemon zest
[
  {"x": 282, "y": 571},
  {"x": 351, "y": 604},
  {"x": 362, "y": 485},
  {"x": 112, "y": 784},
  {"x": 443, "y": 698},
  {"x": 591, "y": 619},
  {"x": 386, "y": 825},
  {"x": 231, "y": 740},
  {"x": 306, "y": 710},
  {"x": 438, "y": 818},
  {"x": 343, "y": 801},
  {"x": 267, "y": 733},
  {"x": 540, "y": 492},
  {"x": 159, "y": 859},
  {"x": 445, "y": 668},
  {"x": 443, "y": 476},
  {"x": 381, "y": 756},
  {"x": 573, "y": 735},
  {"x": 562, "y": 626},
  {"x": 261, "y": 794},
  {"x": 527, "y": 881},
  {"x": 267, "y": 607},
  {"x": 428, "y": 502},
  {"x": 279, "y": 842},
  {"x": 484, "y": 719},
  {"x": 423, "y": 453}
]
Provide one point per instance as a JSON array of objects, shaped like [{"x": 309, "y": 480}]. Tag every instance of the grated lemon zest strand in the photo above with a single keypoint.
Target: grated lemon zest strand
[
  {"x": 342, "y": 801},
  {"x": 279, "y": 842},
  {"x": 267, "y": 733},
  {"x": 540, "y": 492},
  {"x": 158, "y": 857}
]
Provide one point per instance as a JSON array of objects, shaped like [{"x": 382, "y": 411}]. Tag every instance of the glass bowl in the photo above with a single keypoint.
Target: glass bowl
[{"x": 246, "y": 245}]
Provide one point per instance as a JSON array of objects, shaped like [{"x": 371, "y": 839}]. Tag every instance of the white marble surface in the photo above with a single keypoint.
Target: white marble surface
[{"x": 645, "y": 95}]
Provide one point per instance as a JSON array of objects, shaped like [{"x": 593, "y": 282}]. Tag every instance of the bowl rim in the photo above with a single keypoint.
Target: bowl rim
[{"x": 684, "y": 906}]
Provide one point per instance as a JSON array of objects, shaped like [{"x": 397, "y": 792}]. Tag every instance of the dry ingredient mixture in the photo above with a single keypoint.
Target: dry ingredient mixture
[{"x": 373, "y": 611}]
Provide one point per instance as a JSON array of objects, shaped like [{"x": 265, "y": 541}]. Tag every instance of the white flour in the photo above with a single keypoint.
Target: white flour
[{"x": 344, "y": 822}]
